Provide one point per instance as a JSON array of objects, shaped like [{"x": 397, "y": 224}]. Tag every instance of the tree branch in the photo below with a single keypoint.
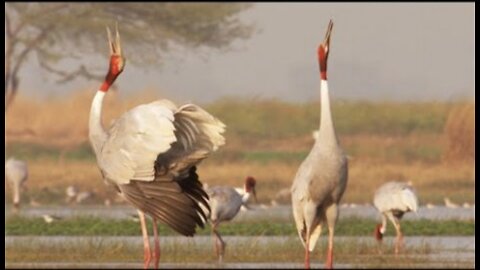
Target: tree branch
[
  {"x": 68, "y": 76},
  {"x": 29, "y": 47},
  {"x": 39, "y": 14}
]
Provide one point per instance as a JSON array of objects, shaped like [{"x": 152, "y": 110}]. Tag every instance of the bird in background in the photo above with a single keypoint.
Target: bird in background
[
  {"x": 51, "y": 218},
  {"x": 242, "y": 191},
  {"x": 16, "y": 176},
  {"x": 449, "y": 203},
  {"x": 150, "y": 153},
  {"x": 225, "y": 203},
  {"x": 394, "y": 199},
  {"x": 322, "y": 177}
]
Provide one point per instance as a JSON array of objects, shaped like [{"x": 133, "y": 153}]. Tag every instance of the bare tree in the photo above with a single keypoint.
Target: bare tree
[{"x": 56, "y": 32}]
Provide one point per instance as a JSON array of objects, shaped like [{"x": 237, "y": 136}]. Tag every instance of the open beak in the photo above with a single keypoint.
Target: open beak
[
  {"x": 114, "y": 45},
  {"x": 326, "y": 42}
]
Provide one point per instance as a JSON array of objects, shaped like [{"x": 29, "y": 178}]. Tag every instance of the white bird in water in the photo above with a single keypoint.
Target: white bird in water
[
  {"x": 394, "y": 199},
  {"x": 225, "y": 203},
  {"x": 322, "y": 177},
  {"x": 150, "y": 154},
  {"x": 16, "y": 175}
]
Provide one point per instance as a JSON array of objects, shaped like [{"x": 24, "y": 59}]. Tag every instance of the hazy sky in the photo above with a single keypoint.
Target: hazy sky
[{"x": 379, "y": 51}]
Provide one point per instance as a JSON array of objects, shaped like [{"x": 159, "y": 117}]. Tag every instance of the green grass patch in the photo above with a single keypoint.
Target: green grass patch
[
  {"x": 34, "y": 151},
  {"x": 90, "y": 226},
  {"x": 278, "y": 119}
]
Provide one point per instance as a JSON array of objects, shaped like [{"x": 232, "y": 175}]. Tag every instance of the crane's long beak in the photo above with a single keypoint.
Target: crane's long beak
[
  {"x": 114, "y": 45},
  {"x": 326, "y": 42}
]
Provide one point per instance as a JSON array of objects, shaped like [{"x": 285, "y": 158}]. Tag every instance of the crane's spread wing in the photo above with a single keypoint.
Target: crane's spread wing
[
  {"x": 151, "y": 154},
  {"x": 181, "y": 203},
  {"x": 159, "y": 138},
  {"x": 198, "y": 134},
  {"x": 135, "y": 140}
]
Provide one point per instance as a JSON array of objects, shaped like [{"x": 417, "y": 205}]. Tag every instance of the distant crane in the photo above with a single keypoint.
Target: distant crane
[
  {"x": 225, "y": 203},
  {"x": 150, "y": 154},
  {"x": 322, "y": 177},
  {"x": 394, "y": 199},
  {"x": 16, "y": 175}
]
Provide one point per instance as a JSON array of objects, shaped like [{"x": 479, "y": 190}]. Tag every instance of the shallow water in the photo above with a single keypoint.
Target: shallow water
[{"x": 258, "y": 212}]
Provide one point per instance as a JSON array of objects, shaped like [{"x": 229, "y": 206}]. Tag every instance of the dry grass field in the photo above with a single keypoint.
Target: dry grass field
[{"x": 430, "y": 144}]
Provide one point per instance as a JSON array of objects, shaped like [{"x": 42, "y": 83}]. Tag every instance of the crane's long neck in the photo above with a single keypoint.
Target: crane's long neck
[
  {"x": 245, "y": 197},
  {"x": 96, "y": 132},
  {"x": 326, "y": 134}
]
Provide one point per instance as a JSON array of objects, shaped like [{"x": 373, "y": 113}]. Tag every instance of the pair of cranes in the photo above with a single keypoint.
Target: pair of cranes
[{"x": 151, "y": 152}]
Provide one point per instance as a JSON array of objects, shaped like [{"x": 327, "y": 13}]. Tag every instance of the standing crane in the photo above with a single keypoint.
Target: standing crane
[
  {"x": 225, "y": 203},
  {"x": 16, "y": 175},
  {"x": 322, "y": 177},
  {"x": 394, "y": 199},
  {"x": 150, "y": 154}
]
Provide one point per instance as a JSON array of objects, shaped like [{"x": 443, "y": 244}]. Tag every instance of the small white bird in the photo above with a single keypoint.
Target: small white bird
[
  {"x": 393, "y": 200},
  {"x": 16, "y": 175},
  {"x": 449, "y": 203},
  {"x": 225, "y": 204},
  {"x": 50, "y": 218},
  {"x": 84, "y": 196},
  {"x": 466, "y": 205},
  {"x": 71, "y": 193},
  {"x": 430, "y": 206}
]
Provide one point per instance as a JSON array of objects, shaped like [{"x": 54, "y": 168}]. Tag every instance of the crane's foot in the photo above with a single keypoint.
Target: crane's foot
[
  {"x": 221, "y": 250},
  {"x": 329, "y": 262},
  {"x": 147, "y": 257},
  {"x": 307, "y": 258},
  {"x": 398, "y": 244}
]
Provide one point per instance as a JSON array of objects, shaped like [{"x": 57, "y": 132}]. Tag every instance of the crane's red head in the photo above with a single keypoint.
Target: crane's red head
[
  {"x": 378, "y": 232},
  {"x": 323, "y": 51},
  {"x": 117, "y": 61},
  {"x": 250, "y": 183}
]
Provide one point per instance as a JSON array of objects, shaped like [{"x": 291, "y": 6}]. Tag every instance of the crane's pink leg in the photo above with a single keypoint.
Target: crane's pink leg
[
  {"x": 147, "y": 255},
  {"x": 157, "y": 244},
  {"x": 399, "y": 240},
  {"x": 219, "y": 243},
  {"x": 329, "y": 262},
  {"x": 307, "y": 253}
]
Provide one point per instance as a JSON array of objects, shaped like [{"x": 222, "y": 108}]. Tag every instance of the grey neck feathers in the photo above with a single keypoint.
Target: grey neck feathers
[{"x": 326, "y": 135}]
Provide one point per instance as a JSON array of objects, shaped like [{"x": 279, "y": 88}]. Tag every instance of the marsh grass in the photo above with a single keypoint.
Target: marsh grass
[
  {"x": 181, "y": 251},
  {"x": 92, "y": 226}
]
